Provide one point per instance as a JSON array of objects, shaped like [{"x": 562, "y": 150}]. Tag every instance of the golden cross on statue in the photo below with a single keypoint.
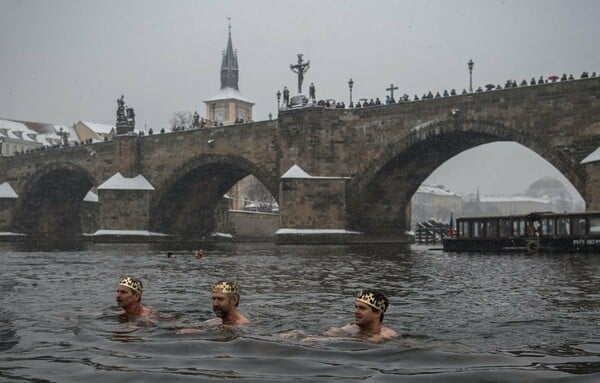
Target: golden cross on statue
[{"x": 392, "y": 88}]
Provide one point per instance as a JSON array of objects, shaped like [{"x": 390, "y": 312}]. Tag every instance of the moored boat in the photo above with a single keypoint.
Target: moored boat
[{"x": 532, "y": 233}]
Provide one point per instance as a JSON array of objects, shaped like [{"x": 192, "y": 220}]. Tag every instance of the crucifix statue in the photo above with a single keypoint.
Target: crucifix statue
[
  {"x": 300, "y": 68},
  {"x": 392, "y": 88}
]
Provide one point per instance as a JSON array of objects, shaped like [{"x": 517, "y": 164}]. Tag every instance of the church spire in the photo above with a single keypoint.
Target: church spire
[{"x": 229, "y": 65}]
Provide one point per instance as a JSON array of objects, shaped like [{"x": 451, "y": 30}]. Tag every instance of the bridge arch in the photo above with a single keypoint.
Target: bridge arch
[
  {"x": 185, "y": 202},
  {"x": 377, "y": 202},
  {"x": 50, "y": 202}
]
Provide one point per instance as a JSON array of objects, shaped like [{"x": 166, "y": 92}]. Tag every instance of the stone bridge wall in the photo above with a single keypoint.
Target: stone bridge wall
[
  {"x": 385, "y": 152},
  {"x": 252, "y": 225}
]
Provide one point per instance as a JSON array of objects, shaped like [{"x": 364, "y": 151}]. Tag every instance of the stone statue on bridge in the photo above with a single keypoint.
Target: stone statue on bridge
[
  {"x": 125, "y": 117},
  {"x": 196, "y": 121},
  {"x": 300, "y": 69},
  {"x": 121, "y": 109}
]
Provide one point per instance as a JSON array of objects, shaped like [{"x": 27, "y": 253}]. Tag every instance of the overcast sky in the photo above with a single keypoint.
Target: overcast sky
[{"x": 69, "y": 60}]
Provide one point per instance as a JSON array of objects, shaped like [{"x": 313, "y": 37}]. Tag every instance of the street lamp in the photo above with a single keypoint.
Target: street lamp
[
  {"x": 470, "y": 64},
  {"x": 278, "y": 98},
  {"x": 350, "y": 85}
]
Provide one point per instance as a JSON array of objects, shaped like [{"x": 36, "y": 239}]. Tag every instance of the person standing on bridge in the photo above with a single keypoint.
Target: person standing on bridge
[
  {"x": 286, "y": 96},
  {"x": 370, "y": 305},
  {"x": 129, "y": 298}
]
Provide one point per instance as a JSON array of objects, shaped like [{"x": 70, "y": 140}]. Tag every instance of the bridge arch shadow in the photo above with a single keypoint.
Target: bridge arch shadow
[
  {"x": 380, "y": 195},
  {"x": 186, "y": 203},
  {"x": 51, "y": 201}
]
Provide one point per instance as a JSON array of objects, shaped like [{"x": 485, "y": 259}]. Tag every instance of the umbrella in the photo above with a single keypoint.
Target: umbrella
[{"x": 553, "y": 78}]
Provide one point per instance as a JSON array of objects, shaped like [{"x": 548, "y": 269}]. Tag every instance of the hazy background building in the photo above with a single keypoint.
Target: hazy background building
[{"x": 436, "y": 202}]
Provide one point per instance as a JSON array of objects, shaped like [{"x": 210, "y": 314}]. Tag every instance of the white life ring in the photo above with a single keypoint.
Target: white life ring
[{"x": 532, "y": 247}]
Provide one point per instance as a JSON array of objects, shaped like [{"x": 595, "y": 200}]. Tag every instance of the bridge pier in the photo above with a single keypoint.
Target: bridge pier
[
  {"x": 7, "y": 207},
  {"x": 592, "y": 186},
  {"x": 124, "y": 205},
  {"x": 314, "y": 210}
]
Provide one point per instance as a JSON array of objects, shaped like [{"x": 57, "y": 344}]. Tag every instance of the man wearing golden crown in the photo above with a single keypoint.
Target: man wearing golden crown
[
  {"x": 225, "y": 300},
  {"x": 129, "y": 298},
  {"x": 370, "y": 305}
]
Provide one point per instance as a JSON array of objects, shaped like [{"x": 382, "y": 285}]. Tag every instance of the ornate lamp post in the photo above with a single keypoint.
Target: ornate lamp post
[
  {"x": 350, "y": 85},
  {"x": 470, "y": 64},
  {"x": 278, "y": 99}
]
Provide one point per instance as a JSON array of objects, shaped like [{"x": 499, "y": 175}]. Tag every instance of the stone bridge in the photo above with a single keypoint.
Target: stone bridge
[{"x": 364, "y": 164}]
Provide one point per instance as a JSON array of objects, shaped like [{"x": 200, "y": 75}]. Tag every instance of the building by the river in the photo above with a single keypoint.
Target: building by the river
[
  {"x": 18, "y": 137},
  {"x": 435, "y": 202},
  {"x": 228, "y": 106}
]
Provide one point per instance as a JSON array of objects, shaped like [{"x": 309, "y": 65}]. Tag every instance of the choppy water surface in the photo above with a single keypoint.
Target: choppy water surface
[{"x": 463, "y": 317}]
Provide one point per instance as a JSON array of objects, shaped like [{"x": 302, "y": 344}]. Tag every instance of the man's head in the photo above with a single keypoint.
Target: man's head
[
  {"x": 129, "y": 290},
  {"x": 370, "y": 304},
  {"x": 225, "y": 297}
]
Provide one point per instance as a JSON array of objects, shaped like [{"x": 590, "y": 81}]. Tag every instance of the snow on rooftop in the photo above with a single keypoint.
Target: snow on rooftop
[
  {"x": 12, "y": 125},
  {"x": 436, "y": 190},
  {"x": 17, "y": 130},
  {"x": 99, "y": 128},
  {"x": 514, "y": 199},
  {"x": 90, "y": 197},
  {"x": 63, "y": 128},
  {"x": 144, "y": 233},
  {"x": 217, "y": 234},
  {"x": 592, "y": 157},
  {"x": 122, "y": 183},
  {"x": 43, "y": 134},
  {"x": 315, "y": 231},
  {"x": 49, "y": 139},
  {"x": 22, "y": 135},
  {"x": 298, "y": 173},
  {"x": 229, "y": 93},
  {"x": 6, "y": 191}
]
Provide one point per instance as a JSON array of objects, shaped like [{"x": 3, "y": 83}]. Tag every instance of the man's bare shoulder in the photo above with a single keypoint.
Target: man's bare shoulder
[
  {"x": 388, "y": 333},
  {"x": 148, "y": 312},
  {"x": 384, "y": 334},
  {"x": 213, "y": 321},
  {"x": 242, "y": 321},
  {"x": 349, "y": 329}
]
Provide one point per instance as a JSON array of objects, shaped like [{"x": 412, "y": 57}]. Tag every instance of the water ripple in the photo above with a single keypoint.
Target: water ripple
[{"x": 462, "y": 317}]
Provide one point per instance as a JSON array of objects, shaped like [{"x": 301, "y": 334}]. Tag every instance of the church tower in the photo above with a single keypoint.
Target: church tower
[{"x": 229, "y": 105}]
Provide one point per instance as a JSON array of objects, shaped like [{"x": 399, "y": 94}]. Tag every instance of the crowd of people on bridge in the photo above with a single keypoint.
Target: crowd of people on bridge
[
  {"x": 390, "y": 99},
  {"x": 199, "y": 123}
]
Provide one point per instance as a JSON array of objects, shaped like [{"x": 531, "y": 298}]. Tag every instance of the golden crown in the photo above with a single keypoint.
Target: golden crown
[
  {"x": 225, "y": 287},
  {"x": 369, "y": 298},
  {"x": 133, "y": 284}
]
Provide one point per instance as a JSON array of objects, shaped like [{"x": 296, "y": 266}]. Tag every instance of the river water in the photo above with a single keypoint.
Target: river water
[{"x": 462, "y": 317}]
